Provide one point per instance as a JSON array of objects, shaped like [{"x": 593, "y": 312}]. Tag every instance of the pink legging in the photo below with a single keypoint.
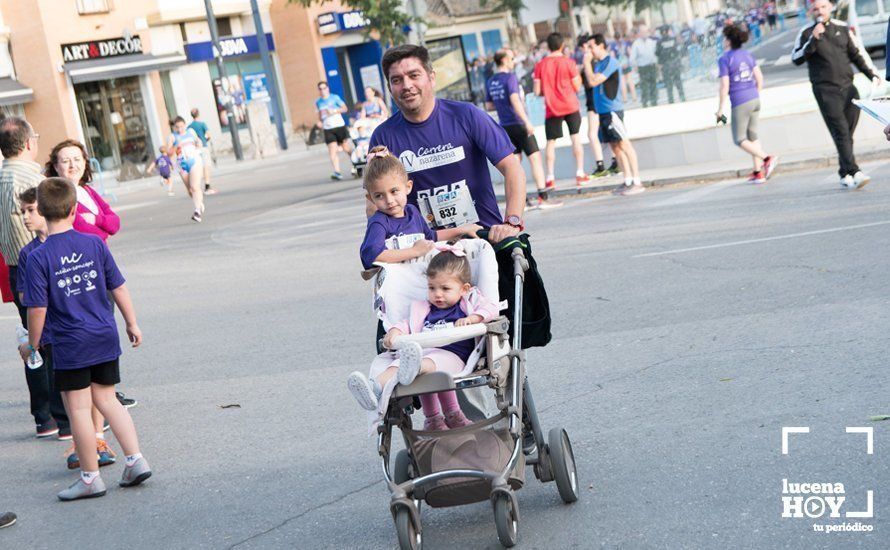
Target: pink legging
[{"x": 446, "y": 401}]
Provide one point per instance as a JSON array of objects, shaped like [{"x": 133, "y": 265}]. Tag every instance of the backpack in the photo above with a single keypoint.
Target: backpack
[{"x": 535, "y": 305}]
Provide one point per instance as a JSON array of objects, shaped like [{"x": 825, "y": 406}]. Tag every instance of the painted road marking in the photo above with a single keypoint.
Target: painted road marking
[
  {"x": 765, "y": 239},
  {"x": 784, "y": 60},
  {"x": 695, "y": 194},
  {"x": 133, "y": 206}
]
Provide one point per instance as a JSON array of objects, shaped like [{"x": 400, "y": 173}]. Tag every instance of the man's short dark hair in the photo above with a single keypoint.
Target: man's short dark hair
[
  {"x": 322, "y": 83},
  {"x": 178, "y": 119},
  {"x": 598, "y": 39},
  {"x": 500, "y": 56},
  {"x": 405, "y": 51},
  {"x": 14, "y": 135},
  {"x": 555, "y": 42},
  {"x": 56, "y": 198},
  {"x": 195, "y": 113},
  {"x": 583, "y": 39},
  {"x": 28, "y": 196}
]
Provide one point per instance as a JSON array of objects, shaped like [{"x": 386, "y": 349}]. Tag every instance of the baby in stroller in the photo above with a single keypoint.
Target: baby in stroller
[
  {"x": 452, "y": 301},
  {"x": 360, "y": 133}
]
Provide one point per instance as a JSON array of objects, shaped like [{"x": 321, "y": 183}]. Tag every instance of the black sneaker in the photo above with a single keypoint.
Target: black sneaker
[
  {"x": 614, "y": 167},
  {"x": 7, "y": 519},
  {"x": 125, "y": 401},
  {"x": 47, "y": 429}
]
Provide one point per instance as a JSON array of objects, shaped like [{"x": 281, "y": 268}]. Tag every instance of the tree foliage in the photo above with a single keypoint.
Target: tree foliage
[{"x": 386, "y": 17}]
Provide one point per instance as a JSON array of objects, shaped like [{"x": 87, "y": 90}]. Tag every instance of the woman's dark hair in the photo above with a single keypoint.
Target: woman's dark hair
[
  {"x": 178, "y": 119},
  {"x": 450, "y": 263},
  {"x": 736, "y": 36},
  {"x": 49, "y": 169}
]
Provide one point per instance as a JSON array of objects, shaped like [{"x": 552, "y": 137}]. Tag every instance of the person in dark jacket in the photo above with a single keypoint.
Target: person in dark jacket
[
  {"x": 828, "y": 47},
  {"x": 669, "y": 52}
]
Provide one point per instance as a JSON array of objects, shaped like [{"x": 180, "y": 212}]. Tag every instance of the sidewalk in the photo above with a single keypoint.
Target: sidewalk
[{"x": 706, "y": 172}]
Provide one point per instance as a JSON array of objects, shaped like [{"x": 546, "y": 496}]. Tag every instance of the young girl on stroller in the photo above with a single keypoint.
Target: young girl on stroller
[
  {"x": 452, "y": 301},
  {"x": 397, "y": 232}
]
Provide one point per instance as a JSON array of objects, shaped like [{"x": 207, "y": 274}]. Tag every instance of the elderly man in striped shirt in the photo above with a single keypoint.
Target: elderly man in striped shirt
[{"x": 20, "y": 171}]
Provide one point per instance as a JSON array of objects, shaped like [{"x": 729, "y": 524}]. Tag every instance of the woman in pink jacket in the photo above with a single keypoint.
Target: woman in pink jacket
[{"x": 69, "y": 159}]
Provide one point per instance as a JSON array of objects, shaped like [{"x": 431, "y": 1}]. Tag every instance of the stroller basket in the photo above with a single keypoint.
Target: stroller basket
[{"x": 485, "y": 445}]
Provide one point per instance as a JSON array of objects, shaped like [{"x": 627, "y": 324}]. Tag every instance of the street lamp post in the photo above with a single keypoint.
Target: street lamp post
[
  {"x": 277, "y": 111},
  {"x": 224, "y": 77}
]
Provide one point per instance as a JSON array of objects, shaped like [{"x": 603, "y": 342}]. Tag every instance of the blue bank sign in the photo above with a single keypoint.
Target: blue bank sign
[
  {"x": 232, "y": 46},
  {"x": 341, "y": 21}
]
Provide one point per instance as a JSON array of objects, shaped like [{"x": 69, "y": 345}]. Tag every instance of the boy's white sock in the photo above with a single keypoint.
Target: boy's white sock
[
  {"x": 580, "y": 174},
  {"x": 88, "y": 477},
  {"x": 638, "y": 181},
  {"x": 132, "y": 459},
  {"x": 628, "y": 181},
  {"x": 550, "y": 177}
]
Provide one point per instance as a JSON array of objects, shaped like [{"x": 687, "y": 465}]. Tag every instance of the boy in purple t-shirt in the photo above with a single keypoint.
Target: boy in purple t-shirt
[
  {"x": 740, "y": 81},
  {"x": 69, "y": 278},
  {"x": 164, "y": 164}
]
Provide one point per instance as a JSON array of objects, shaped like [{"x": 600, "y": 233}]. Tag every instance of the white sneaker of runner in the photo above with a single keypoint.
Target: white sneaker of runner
[
  {"x": 861, "y": 179},
  {"x": 848, "y": 182}
]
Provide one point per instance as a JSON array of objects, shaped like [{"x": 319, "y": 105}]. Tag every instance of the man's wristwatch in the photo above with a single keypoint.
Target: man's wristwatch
[{"x": 515, "y": 221}]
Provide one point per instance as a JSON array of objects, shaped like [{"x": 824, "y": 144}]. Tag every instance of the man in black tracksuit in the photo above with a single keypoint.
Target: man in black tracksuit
[{"x": 828, "y": 46}]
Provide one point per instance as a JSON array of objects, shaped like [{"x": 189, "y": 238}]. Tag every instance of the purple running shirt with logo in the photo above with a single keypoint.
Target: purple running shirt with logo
[{"x": 739, "y": 65}]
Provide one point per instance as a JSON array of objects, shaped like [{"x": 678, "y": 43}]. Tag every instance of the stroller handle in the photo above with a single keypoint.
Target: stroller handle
[{"x": 442, "y": 337}]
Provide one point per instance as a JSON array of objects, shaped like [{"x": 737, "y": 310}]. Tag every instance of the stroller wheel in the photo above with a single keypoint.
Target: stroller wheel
[
  {"x": 410, "y": 538},
  {"x": 562, "y": 464},
  {"x": 506, "y": 519},
  {"x": 401, "y": 468}
]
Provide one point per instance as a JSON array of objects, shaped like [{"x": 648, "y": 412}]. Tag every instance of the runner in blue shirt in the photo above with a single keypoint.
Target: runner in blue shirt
[
  {"x": 503, "y": 94},
  {"x": 330, "y": 109},
  {"x": 605, "y": 77}
]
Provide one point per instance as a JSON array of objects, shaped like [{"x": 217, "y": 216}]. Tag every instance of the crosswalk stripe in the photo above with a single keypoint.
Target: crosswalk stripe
[{"x": 784, "y": 60}]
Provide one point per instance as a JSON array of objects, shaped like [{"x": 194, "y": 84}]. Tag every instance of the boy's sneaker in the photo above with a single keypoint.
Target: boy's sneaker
[
  {"x": 81, "y": 490},
  {"x": 769, "y": 164},
  {"x": 582, "y": 179},
  {"x": 106, "y": 455},
  {"x": 365, "y": 392},
  {"x": 614, "y": 167},
  {"x": 125, "y": 401},
  {"x": 861, "y": 179},
  {"x": 410, "y": 358},
  {"x": 210, "y": 190},
  {"x": 196, "y": 217},
  {"x": 550, "y": 184},
  {"x": 7, "y": 519},
  {"x": 848, "y": 182},
  {"x": 634, "y": 189},
  {"x": 756, "y": 177},
  {"x": 600, "y": 172},
  {"x": 456, "y": 419},
  {"x": 47, "y": 429},
  {"x": 336, "y": 176},
  {"x": 135, "y": 474},
  {"x": 435, "y": 424},
  {"x": 544, "y": 204}
]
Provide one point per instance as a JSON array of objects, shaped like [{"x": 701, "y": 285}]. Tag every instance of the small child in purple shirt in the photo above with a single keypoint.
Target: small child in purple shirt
[
  {"x": 164, "y": 164},
  {"x": 397, "y": 232},
  {"x": 69, "y": 279}
]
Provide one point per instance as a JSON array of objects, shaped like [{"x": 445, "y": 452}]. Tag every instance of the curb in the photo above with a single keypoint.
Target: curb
[{"x": 822, "y": 161}]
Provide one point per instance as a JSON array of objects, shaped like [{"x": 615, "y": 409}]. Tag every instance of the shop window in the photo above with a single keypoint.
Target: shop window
[
  {"x": 233, "y": 88},
  {"x": 86, "y": 7},
  {"x": 224, "y": 26}
]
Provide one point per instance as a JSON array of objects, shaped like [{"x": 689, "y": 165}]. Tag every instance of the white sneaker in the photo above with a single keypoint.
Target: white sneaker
[
  {"x": 410, "y": 358},
  {"x": 364, "y": 391},
  {"x": 861, "y": 179},
  {"x": 848, "y": 182}
]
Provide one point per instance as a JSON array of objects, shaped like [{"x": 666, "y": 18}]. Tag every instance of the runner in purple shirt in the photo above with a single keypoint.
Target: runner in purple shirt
[
  {"x": 503, "y": 94},
  {"x": 740, "y": 81},
  {"x": 446, "y": 146}
]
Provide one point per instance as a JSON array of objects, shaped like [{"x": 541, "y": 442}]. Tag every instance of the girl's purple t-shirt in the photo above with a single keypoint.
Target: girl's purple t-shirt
[
  {"x": 440, "y": 318},
  {"x": 448, "y": 153},
  {"x": 739, "y": 65},
  {"x": 70, "y": 274},
  {"x": 382, "y": 227},
  {"x": 498, "y": 90}
]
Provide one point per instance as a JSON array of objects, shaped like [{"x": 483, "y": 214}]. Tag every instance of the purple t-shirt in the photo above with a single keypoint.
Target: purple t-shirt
[
  {"x": 439, "y": 318},
  {"x": 498, "y": 90},
  {"x": 739, "y": 65},
  {"x": 446, "y": 156},
  {"x": 70, "y": 274},
  {"x": 403, "y": 232},
  {"x": 164, "y": 165},
  {"x": 20, "y": 282}
]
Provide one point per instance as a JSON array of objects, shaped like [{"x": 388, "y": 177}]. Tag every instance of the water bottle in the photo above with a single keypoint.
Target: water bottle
[{"x": 35, "y": 361}]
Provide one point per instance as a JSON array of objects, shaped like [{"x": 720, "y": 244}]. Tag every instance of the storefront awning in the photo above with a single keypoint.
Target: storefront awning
[
  {"x": 119, "y": 67},
  {"x": 13, "y": 92}
]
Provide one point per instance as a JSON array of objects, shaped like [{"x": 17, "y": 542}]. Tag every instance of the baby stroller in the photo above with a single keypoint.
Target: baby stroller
[
  {"x": 485, "y": 460},
  {"x": 360, "y": 133}
]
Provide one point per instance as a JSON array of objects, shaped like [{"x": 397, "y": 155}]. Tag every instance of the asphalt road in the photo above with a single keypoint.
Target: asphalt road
[{"x": 690, "y": 325}]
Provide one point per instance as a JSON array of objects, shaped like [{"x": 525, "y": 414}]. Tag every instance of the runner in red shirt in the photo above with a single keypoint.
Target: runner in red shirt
[{"x": 558, "y": 80}]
